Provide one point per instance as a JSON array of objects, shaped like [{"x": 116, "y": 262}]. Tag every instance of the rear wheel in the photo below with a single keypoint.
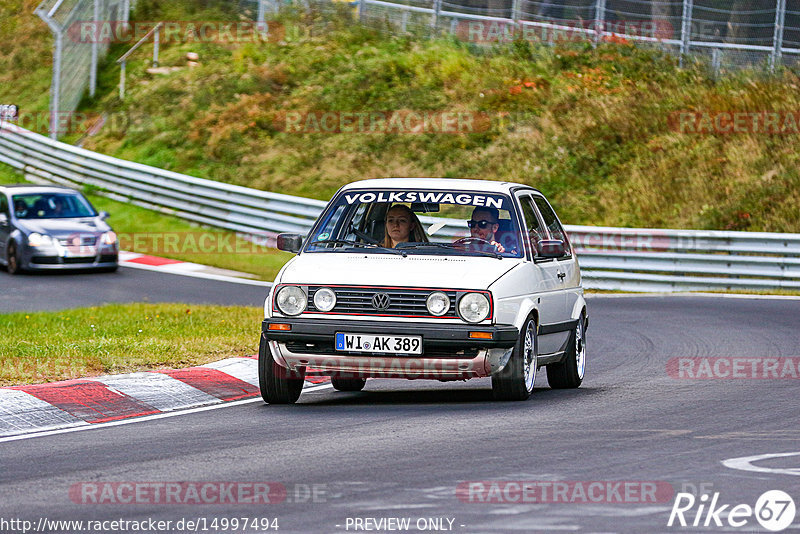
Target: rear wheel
[
  {"x": 14, "y": 266},
  {"x": 515, "y": 381},
  {"x": 278, "y": 384},
  {"x": 569, "y": 373},
  {"x": 348, "y": 384}
]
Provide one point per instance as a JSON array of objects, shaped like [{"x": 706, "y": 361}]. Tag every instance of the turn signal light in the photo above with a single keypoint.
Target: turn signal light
[
  {"x": 280, "y": 326},
  {"x": 480, "y": 335}
]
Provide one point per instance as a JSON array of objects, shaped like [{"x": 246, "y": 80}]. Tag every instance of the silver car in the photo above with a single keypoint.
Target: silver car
[{"x": 50, "y": 227}]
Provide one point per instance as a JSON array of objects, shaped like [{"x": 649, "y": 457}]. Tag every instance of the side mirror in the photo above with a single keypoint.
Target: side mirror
[
  {"x": 104, "y": 215},
  {"x": 551, "y": 248},
  {"x": 290, "y": 242}
]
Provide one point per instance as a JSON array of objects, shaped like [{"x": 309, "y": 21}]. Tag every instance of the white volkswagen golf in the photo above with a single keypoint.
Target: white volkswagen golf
[{"x": 425, "y": 278}]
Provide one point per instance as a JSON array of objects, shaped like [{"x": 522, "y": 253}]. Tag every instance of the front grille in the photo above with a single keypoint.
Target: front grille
[
  {"x": 44, "y": 260},
  {"x": 402, "y": 302},
  {"x": 85, "y": 241},
  {"x": 87, "y": 259},
  {"x": 108, "y": 258}
]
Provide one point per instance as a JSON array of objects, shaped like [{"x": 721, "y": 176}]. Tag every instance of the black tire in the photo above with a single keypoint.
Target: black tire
[
  {"x": 14, "y": 266},
  {"x": 348, "y": 384},
  {"x": 278, "y": 385},
  {"x": 569, "y": 373},
  {"x": 513, "y": 383}
]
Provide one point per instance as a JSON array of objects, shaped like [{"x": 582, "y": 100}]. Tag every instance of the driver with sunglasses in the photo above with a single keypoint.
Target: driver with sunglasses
[{"x": 483, "y": 225}]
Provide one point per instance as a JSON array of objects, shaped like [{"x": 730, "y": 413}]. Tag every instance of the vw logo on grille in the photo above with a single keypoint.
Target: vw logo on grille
[{"x": 380, "y": 301}]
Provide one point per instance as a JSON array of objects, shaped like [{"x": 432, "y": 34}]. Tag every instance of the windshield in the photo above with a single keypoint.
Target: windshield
[
  {"x": 418, "y": 222},
  {"x": 52, "y": 206}
]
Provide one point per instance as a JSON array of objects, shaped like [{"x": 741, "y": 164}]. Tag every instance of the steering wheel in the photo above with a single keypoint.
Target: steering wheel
[
  {"x": 471, "y": 240},
  {"x": 365, "y": 236}
]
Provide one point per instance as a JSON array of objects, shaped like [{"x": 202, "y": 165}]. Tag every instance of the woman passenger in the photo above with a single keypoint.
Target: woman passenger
[{"x": 402, "y": 226}]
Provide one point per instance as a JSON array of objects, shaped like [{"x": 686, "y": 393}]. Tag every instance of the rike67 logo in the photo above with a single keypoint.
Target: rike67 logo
[{"x": 774, "y": 510}]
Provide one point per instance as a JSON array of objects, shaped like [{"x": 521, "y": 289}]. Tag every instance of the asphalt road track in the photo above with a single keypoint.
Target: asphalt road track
[
  {"x": 401, "y": 448},
  {"x": 61, "y": 290}
]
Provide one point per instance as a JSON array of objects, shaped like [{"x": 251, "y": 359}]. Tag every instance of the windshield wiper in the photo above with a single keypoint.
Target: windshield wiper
[
  {"x": 450, "y": 246},
  {"x": 357, "y": 244}
]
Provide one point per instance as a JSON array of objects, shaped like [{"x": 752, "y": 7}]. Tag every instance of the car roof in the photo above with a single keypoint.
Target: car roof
[
  {"x": 34, "y": 188},
  {"x": 442, "y": 184}
]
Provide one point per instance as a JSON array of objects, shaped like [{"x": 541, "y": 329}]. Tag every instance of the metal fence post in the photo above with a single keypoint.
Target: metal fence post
[
  {"x": 361, "y": 7},
  {"x": 404, "y": 21},
  {"x": 686, "y": 28},
  {"x": 599, "y": 16},
  {"x": 122, "y": 81},
  {"x": 437, "y": 8},
  {"x": 515, "y": 11},
  {"x": 156, "y": 41},
  {"x": 55, "y": 87},
  {"x": 777, "y": 37},
  {"x": 95, "y": 47},
  {"x": 262, "y": 8}
]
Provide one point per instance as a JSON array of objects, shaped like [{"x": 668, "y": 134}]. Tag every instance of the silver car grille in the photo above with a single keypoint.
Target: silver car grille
[{"x": 355, "y": 300}]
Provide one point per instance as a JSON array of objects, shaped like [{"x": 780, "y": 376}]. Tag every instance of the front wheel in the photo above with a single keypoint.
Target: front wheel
[
  {"x": 278, "y": 384},
  {"x": 515, "y": 381},
  {"x": 348, "y": 384},
  {"x": 14, "y": 265},
  {"x": 569, "y": 373}
]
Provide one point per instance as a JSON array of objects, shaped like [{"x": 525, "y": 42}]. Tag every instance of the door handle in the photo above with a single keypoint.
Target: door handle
[{"x": 562, "y": 275}]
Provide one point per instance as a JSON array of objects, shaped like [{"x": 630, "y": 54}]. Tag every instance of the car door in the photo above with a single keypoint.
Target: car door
[
  {"x": 568, "y": 269},
  {"x": 543, "y": 278},
  {"x": 5, "y": 224}
]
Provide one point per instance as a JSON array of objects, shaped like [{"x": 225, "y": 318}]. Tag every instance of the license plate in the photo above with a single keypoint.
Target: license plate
[
  {"x": 378, "y": 343},
  {"x": 80, "y": 252}
]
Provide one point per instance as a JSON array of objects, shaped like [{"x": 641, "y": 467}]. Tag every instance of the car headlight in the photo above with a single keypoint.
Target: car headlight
[
  {"x": 324, "y": 299},
  {"x": 291, "y": 300},
  {"x": 473, "y": 307},
  {"x": 438, "y": 303},
  {"x": 108, "y": 238},
  {"x": 38, "y": 240}
]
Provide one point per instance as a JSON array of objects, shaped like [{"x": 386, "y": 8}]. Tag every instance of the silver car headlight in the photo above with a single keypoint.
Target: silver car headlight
[
  {"x": 108, "y": 238},
  {"x": 291, "y": 300},
  {"x": 473, "y": 307},
  {"x": 438, "y": 303},
  {"x": 324, "y": 299},
  {"x": 39, "y": 240}
]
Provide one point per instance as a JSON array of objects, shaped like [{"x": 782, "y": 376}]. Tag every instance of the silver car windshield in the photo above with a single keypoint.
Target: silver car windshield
[
  {"x": 51, "y": 206},
  {"x": 418, "y": 222}
]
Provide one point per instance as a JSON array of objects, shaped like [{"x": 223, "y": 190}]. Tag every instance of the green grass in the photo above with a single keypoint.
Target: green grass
[
  {"x": 120, "y": 338},
  {"x": 588, "y": 126},
  {"x": 146, "y": 231}
]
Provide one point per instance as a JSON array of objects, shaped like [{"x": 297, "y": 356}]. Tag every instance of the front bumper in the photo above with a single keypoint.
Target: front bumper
[
  {"x": 55, "y": 258},
  {"x": 448, "y": 353}
]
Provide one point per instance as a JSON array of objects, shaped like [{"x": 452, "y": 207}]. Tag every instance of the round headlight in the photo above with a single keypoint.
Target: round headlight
[
  {"x": 324, "y": 299},
  {"x": 291, "y": 300},
  {"x": 38, "y": 240},
  {"x": 473, "y": 307},
  {"x": 438, "y": 303}
]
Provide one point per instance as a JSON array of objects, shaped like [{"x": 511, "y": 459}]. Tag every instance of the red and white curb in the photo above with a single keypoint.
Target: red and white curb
[
  {"x": 90, "y": 401},
  {"x": 185, "y": 268}
]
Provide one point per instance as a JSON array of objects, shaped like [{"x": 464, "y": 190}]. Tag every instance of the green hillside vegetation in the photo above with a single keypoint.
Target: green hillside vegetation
[{"x": 588, "y": 126}]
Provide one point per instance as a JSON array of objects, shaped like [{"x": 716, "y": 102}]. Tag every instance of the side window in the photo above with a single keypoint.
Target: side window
[
  {"x": 551, "y": 221},
  {"x": 532, "y": 228}
]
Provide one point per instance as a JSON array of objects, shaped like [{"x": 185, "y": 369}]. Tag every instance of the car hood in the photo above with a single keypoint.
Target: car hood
[
  {"x": 456, "y": 272},
  {"x": 64, "y": 227}
]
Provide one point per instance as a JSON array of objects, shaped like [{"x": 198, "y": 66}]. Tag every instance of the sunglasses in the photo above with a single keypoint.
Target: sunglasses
[{"x": 480, "y": 224}]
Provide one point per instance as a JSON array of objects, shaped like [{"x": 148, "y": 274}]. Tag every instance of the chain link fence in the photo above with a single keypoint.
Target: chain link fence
[
  {"x": 75, "y": 58},
  {"x": 726, "y": 34}
]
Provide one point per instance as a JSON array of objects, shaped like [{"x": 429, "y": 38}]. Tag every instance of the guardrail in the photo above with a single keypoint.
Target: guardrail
[{"x": 627, "y": 259}]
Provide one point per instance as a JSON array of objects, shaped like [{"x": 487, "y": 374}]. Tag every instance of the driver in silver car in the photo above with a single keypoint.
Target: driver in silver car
[{"x": 483, "y": 225}]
